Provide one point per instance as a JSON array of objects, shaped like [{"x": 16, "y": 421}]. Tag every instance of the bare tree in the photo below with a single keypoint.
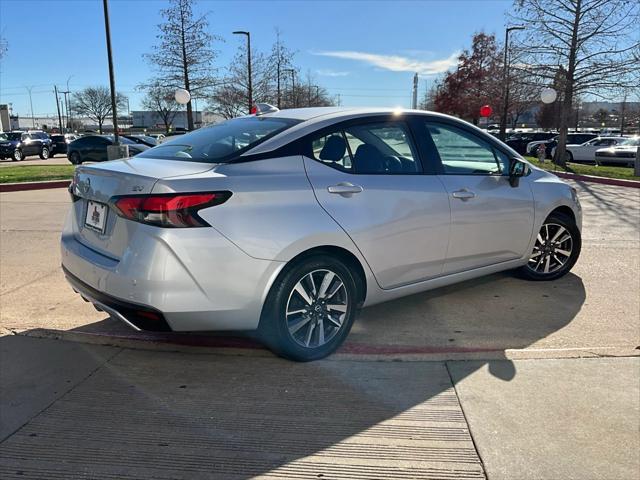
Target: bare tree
[
  {"x": 95, "y": 103},
  {"x": 591, "y": 40},
  {"x": 281, "y": 58},
  {"x": 161, "y": 100},
  {"x": 184, "y": 53}
]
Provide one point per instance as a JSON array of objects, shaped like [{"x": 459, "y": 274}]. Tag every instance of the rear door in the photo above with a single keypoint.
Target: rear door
[
  {"x": 368, "y": 176},
  {"x": 491, "y": 222}
]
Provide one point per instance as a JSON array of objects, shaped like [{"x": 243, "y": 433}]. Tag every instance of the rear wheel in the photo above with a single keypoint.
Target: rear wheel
[
  {"x": 556, "y": 249},
  {"x": 44, "y": 153},
  {"x": 310, "y": 310},
  {"x": 74, "y": 158}
]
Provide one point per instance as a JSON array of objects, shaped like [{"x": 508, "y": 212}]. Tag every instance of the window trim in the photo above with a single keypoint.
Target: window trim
[{"x": 405, "y": 121}]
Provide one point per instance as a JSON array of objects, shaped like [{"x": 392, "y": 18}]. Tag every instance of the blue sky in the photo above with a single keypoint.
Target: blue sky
[{"x": 366, "y": 51}]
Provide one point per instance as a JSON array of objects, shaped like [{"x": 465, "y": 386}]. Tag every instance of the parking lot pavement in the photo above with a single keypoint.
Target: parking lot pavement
[
  {"x": 59, "y": 159},
  {"x": 594, "y": 309}
]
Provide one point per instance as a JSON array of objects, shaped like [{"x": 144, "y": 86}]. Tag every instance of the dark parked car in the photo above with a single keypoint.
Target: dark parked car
[
  {"x": 142, "y": 140},
  {"x": 17, "y": 145},
  {"x": 93, "y": 148},
  {"x": 519, "y": 141}
]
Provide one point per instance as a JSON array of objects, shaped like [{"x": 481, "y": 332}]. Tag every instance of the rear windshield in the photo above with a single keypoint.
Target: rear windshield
[{"x": 221, "y": 142}]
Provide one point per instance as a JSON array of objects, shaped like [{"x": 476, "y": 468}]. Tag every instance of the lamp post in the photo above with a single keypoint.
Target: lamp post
[
  {"x": 250, "y": 87},
  {"x": 293, "y": 84},
  {"x": 112, "y": 80},
  {"x": 505, "y": 82}
]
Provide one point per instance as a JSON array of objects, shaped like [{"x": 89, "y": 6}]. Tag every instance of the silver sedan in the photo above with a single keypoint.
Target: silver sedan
[{"x": 289, "y": 221}]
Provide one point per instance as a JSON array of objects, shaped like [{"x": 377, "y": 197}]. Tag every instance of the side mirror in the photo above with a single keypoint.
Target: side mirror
[{"x": 517, "y": 169}]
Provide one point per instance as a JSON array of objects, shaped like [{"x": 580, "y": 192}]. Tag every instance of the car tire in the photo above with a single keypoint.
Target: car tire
[
  {"x": 557, "y": 253},
  {"x": 74, "y": 158},
  {"x": 568, "y": 157},
  {"x": 44, "y": 153},
  {"x": 298, "y": 321},
  {"x": 17, "y": 155}
]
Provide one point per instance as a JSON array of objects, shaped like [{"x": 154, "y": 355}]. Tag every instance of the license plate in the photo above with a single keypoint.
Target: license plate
[{"x": 96, "y": 218}]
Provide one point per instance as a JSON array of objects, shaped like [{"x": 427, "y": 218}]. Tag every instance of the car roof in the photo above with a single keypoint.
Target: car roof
[{"x": 316, "y": 118}]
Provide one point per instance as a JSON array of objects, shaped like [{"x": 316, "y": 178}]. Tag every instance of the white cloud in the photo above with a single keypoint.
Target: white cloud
[
  {"x": 396, "y": 63},
  {"x": 325, "y": 72}
]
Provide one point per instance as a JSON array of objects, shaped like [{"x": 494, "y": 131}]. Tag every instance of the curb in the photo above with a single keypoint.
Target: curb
[
  {"x": 590, "y": 178},
  {"x": 246, "y": 347},
  {"x": 17, "y": 187}
]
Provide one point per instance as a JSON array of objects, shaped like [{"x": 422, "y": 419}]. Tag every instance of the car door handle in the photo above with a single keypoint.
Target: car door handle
[
  {"x": 345, "y": 189},
  {"x": 463, "y": 194}
]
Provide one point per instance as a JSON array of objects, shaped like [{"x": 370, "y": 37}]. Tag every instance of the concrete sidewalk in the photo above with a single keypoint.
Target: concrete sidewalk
[{"x": 79, "y": 411}]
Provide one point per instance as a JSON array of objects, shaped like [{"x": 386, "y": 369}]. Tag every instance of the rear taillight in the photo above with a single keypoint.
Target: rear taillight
[{"x": 172, "y": 210}]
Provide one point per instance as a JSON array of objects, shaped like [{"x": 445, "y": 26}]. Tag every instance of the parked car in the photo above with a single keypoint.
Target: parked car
[
  {"x": 18, "y": 145},
  {"x": 572, "y": 138},
  {"x": 93, "y": 148},
  {"x": 142, "y": 140},
  {"x": 622, "y": 154},
  {"x": 519, "y": 141},
  {"x": 586, "y": 152},
  {"x": 289, "y": 221}
]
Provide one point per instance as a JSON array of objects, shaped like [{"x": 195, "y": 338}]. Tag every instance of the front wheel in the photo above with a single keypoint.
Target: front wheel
[
  {"x": 556, "y": 249},
  {"x": 309, "y": 311},
  {"x": 17, "y": 155}
]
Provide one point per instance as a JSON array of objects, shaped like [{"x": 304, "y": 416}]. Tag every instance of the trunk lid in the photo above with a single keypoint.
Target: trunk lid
[{"x": 96, "y": 184}]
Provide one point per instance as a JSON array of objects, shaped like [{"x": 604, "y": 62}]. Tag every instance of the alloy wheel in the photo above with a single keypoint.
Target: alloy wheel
[
  {"x": 552, "y": 249},
  {"x": 316, "y": 308}
]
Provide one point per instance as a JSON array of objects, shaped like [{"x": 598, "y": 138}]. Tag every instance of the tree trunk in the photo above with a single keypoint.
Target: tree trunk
[
  {"x": 99, "y": 127},
  {"x": 185, "y": 67},
  {"x": 636, "y": 168},
  {"x": 567, "y": 101}
]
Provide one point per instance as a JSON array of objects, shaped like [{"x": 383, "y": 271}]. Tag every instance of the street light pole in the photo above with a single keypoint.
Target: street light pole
[
  {"x": 249, "y": 83},
  {"x": 68, "y": 100},
  {"x": 112, "y": 81},
  {"x": 33, "y": 119},
  {"x": 293, "y": 85},
  {"x": 505, "y": 82}
]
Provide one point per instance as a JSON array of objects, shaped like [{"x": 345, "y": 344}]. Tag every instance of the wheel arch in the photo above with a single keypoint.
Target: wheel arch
[
  {"x": 565, "y": 210},
  {"x": 341, "y": 253}
]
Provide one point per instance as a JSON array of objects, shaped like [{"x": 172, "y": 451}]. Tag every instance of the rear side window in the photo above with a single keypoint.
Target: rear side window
[
  {"x": 221, "y": 142},
  {"x": 369, "y": 149}
]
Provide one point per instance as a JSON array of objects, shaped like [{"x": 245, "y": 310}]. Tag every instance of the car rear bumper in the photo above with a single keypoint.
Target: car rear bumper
[{"x": 191, "y": 279}]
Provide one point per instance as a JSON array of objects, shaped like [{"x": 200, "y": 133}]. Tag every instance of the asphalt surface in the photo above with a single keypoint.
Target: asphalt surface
[
  {"x": 58, "y": 159},
  {"x": 78, "y": 410},
  {"x": 593, "y": 309}
]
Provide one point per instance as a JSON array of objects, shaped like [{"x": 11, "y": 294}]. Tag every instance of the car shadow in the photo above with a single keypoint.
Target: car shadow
[{"x": 182, "y": 415}]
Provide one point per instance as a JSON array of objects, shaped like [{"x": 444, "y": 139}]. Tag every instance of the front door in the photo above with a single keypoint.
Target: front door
[
  {"x": 369, "y": 178},
  {"x": 491, "y": 222}
]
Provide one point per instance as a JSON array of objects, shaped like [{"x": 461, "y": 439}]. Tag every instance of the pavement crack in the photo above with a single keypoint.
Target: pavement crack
[
  {"x": 30, "y": 282},
  {"x": 466, "y": 419}
]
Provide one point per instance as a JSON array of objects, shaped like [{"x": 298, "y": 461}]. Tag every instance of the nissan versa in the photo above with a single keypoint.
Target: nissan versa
[{"x": 287, "y": 222}]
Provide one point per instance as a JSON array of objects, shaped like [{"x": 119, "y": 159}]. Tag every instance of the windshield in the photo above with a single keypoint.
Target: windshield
[
  {"x": 221, "y": 142},
  {"x": 631, "y": 142}
]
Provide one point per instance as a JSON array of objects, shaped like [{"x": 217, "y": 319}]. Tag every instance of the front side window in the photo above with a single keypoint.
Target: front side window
[
  {"x": 368, "y": 149},
  {"x": 222, "y": 142},
  {"x": 463, "y": 153}
]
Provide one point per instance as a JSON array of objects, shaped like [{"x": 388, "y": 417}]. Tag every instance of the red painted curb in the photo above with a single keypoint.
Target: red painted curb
[
  {"x": 606, "y": 181},
  {"x": 17, "y": 187}
]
